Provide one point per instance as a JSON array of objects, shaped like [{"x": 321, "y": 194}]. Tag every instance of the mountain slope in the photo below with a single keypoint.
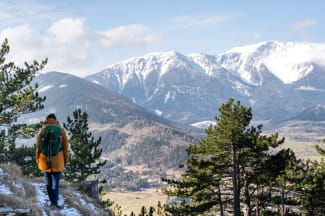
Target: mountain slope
[
  {"x": 277, "y": 79},
  {"x": 172, "y": 85},
  {"x": 127, "y": 130}
]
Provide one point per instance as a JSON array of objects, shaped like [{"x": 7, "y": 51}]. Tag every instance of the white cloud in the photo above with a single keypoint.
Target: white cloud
[
  {"x": 194, "y": 21},
  {"x": 24, "y": 42},
  {"x": 303, "y": 24},
  {"x": 68, "y": 30},
  {"x": 69, "y": 47},
  {"x": 64, "y": 54},
  {"x": 128, "y": 36}
]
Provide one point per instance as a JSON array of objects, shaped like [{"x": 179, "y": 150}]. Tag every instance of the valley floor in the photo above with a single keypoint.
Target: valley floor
[{"x": 133, "y": 201}]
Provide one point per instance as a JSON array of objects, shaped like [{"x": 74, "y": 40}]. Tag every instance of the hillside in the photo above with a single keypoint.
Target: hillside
[
  {"x": 21, "y": 194},
  {"x": 130, "y": 134}
]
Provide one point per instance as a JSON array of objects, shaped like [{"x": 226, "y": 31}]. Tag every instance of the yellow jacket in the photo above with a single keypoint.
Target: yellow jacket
[{"x": 59, "y": 160}]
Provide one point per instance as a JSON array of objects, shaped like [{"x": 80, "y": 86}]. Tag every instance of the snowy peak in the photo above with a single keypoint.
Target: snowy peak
[
  {"x": 206, "y": 63},
  {"x": 188, "y": 88},
  {"x": 154, "y": 64},
  {"x": 288, "y": 61}
]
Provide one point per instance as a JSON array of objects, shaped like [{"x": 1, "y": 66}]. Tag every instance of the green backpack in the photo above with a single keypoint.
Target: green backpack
[{"x": 51, "y": 140}]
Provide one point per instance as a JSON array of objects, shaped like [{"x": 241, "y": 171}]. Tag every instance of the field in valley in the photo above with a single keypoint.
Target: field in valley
[
  {"x": 133, "y": 201},
  {"x": 302, "y": 142}
]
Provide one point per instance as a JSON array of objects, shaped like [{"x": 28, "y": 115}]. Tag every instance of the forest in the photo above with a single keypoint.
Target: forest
[{"x": 236, "y": 170}]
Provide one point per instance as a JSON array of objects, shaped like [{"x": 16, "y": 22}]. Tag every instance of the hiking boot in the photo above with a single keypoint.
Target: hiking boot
[{"x": 57, "y": 206}]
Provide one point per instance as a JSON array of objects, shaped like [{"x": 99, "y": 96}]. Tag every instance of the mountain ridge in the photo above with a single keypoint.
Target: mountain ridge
[{"x": 189, "y": 89}]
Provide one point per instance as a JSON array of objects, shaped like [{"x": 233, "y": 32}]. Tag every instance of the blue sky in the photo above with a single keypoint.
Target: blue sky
[{"x": 86, "y": 36}]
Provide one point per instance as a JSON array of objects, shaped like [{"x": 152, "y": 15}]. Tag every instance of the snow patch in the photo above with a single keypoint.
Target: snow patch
[
  {"x": 19, "y": 185},
  {"x": 62, "y": 86},
  {"x": 241, "y": 88},
  {"x": 170, "y": 96},
  {"x": 5, "y": 190},
  {"x": 34, "y": 120},
  {"x": 246, "y": 50},
  {"x": 203, "y": 124},
  {"x": 158, "y": 112},
  {"x": 40, "y": 195},
  {"x": 96, "y": 82},
  {"x": 42, "y": 198},
  {"x": 45, "y": 88},
  {"x": 84, "y": 203},
  {"x": 2, "y": 173},
  {"x": 309, "y": 88}
]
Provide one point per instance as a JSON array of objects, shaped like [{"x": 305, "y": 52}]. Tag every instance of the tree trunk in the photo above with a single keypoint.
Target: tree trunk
[
  {"x": 258, "y": 201},
  {"x": 282, "y": 203},
  {"x": 247, "y": 200},
  {"x": 235, "y": 183},
  {"x": 220, "y": 201}
]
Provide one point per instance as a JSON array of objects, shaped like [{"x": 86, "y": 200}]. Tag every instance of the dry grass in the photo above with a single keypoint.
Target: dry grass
[
  {"x": 23, "y": 192},
  {"x": 83, "y": 203},
  {"x": 133, "y": 201},
  {"x": 19, "y": 193},
  {"x": 302, "y": 137}
]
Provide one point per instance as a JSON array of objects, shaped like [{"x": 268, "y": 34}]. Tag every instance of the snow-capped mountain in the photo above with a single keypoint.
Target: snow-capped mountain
[
  {"x": 288, "y": 61},
  {"x": 278, "y": 79}
]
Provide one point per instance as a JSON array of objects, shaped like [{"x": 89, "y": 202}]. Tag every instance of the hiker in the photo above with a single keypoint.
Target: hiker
[{"x": 52, "y": 163}]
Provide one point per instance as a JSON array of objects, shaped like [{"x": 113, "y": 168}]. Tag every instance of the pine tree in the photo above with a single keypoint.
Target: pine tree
[
  {"x": 17, "y": 97},
  {"x": 151, "y": 211},
  {"x": 230, "y": 158},
  {"x": 275, "y": 178},
  {"x": 86, "y": 151},
  {"x": 309, "y": 187},
  {"x": 160, "y": 209},
  {"x": 143, "y": 211},
  {"x": 320, "y": 150}
]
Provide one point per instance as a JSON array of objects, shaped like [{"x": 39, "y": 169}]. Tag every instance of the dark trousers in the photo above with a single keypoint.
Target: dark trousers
[{"x": 52, "y": 180}]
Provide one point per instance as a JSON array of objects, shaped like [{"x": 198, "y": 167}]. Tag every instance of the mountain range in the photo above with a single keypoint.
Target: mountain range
[
  {"x": 279, "y": 80},
  {"x": 143, "y": 107}
]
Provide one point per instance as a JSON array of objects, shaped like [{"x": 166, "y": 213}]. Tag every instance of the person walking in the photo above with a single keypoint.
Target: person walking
[{"x": 52, "y": 154}]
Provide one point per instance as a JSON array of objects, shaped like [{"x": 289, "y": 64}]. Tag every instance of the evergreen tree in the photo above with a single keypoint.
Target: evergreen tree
[
  {"x": 160, "y": 209},
  {"x": 143, "y": 211},
  {"x": 202, "y": 180},
  {"x": 151, "y": 211},
  {"x": 17, "y": 97},
  {"x": 309, "y": 187},
  {"x": 275, "y": 178},
  {"x": 86, "y": 152},
  {"x": 320, "y": 150},
  {"x": 232, "y": 157},
  {"x": 118, "y": 210}
]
